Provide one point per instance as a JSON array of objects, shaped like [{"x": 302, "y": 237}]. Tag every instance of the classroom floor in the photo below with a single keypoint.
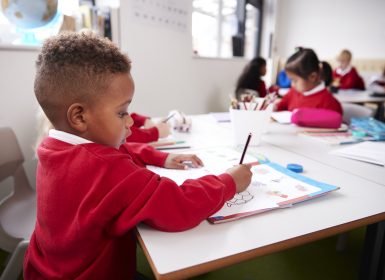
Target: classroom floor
[{"x": 317, "y": 261}]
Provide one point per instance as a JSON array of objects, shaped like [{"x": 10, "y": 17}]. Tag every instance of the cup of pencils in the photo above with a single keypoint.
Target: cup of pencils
[{"x": 249, "y": 117}]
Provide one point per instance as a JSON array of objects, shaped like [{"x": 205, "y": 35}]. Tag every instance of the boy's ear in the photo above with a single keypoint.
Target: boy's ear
[{"x": 76, "y": 118}]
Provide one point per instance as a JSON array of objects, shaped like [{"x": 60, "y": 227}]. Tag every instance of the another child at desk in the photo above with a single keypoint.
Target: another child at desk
[
  {"x": 377, "y": 83},
  {"x": 144, "y": 130},
  {"x": 92, "y": 187},
  {"x": 345, "y": 76},
  {"x": 308, "y": 89},
  {"x": 250, "y": 79}
]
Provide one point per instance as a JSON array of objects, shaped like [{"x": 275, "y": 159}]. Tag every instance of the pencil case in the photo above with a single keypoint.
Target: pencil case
[{"x": 313, "y": 117}]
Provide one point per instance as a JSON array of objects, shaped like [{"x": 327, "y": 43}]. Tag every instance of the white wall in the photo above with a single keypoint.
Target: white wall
[
  {"x": 328, "y": 26},
  {"x": 166, "y": 74},
  {"x": 18, "y": 105}
]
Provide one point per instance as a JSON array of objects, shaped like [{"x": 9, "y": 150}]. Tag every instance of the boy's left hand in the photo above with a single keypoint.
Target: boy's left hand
[{"x": 182, "y": 161}]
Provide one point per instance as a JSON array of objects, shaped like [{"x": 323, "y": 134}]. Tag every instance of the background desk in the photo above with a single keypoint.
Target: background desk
[
  {"x": 208, "y": 247},
  {"x": 361, "y": 97}
]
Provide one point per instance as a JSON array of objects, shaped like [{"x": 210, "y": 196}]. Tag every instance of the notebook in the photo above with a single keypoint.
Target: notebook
[{"x": 273, "y": 186}]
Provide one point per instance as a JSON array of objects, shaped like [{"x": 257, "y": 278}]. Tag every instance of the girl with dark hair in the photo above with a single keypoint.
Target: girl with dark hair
[
  {"x": 250, "y": 78},
  {"x": 308, "y": 88}
]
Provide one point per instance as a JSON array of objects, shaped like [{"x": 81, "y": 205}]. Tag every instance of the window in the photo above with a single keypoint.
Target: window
[{"x": 225, "y": 28}]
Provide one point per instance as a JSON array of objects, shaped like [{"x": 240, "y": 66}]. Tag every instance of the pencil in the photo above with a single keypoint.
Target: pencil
[
  {"x": 169, "y": 117},
  {"x": 245, "y": 148}
]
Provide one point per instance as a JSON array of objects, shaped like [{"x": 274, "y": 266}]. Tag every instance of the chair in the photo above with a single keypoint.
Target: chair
[
  {"x": 355, "y": 111},
  {"x": 18, "y": 210}
]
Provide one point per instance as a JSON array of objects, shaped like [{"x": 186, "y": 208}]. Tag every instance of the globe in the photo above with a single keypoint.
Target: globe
[{"x": 28, "y": 14}]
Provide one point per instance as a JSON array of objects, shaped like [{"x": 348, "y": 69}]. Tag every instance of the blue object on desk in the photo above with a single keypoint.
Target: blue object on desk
[
  {"x": 369, "y": 126},
  {"x": 297, "y": 168}
]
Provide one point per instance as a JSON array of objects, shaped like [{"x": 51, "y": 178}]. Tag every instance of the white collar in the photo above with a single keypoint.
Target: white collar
[
  {"x": 67, "y": 137},
  {"x": 343, "y": 72},
  {"x": 318, "y": 88}
]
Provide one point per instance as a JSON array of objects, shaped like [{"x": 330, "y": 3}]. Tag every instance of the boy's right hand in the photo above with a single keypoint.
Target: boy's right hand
[
  {"x": 163, "y": 129},
  {"x": 241, "y": 175}
]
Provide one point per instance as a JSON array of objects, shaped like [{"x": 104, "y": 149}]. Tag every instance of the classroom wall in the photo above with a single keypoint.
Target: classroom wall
[
  {"x": 167, "y": 74},
  {"x": 329, "y": 26}
]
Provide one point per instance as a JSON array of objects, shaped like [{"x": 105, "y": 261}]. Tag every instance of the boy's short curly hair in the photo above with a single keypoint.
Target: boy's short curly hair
[{"x": 75, "y": 67}]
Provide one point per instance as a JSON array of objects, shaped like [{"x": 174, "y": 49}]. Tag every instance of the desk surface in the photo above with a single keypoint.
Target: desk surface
[
  {"x": 208, "y": 247},
  {"x": 357, "y": 96}
]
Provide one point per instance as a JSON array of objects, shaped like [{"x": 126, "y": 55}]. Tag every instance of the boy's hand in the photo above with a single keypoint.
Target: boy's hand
[
  {"x": 163, "y": 129},
  {"x": 182, "y": 161},
  {"x": 241, "y": 175}
]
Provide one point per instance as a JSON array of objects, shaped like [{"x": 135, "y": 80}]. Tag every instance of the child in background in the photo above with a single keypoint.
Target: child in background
[
  {"x": 345, "y": 76},
  {"x": 144, "y": 130},
  {"x": 92, "y": 187},
  {"x": 377, "y": 84},
  {"x": 283, "y": 80},
  {"x": 250, "y": 78},
  {"x": 308, "y": 89}
]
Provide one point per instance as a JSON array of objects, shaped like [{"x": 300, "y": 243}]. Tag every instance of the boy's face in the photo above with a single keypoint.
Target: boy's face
[
  {"x": 299, "y": 83},
  {"x": 108, "y": 121}
]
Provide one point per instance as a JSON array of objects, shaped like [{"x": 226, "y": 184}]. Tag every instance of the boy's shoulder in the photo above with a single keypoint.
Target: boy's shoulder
[{"x": 95, "y": 150}]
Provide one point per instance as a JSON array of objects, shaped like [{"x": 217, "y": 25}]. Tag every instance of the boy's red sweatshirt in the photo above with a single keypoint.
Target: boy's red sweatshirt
[{"x": 90, "y": 198}]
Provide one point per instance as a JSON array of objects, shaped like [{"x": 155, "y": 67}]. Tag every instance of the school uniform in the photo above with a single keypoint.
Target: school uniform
[
  {"x": 349, "y": 78},
  {"x": 318, "y": 97},
  {"x": 139, "y": 134},
  {"x": 257, "y": 85},
  {"x": 90, "y": 197}
]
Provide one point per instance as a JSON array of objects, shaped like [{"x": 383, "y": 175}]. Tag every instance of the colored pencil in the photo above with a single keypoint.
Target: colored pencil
[{"x": 245, "y": 148}]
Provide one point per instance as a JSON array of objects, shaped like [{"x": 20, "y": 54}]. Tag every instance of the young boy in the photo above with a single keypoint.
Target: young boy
[
  {"x": 92, "y": 187},
  {"x": 345, "y": 76}
]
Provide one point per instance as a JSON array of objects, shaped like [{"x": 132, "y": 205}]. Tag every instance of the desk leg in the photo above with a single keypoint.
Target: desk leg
[
  {"x": 379, "y": 115},
  {"x": 373, "y": 257}
]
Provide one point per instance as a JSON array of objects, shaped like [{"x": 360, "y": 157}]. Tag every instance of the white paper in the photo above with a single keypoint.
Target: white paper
[
  {"x": 283, "y": 117},
  {"x": 369, "y": 151}
]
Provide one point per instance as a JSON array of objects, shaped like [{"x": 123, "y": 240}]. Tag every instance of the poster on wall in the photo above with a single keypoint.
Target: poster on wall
[{"x": 170, "y": 14}]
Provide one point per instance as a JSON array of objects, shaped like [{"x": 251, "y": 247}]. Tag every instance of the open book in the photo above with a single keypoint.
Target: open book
[{"x": 272, "y": 186}]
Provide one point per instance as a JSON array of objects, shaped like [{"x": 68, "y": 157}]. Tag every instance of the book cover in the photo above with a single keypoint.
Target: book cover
[{"x": 273, "y": 187}]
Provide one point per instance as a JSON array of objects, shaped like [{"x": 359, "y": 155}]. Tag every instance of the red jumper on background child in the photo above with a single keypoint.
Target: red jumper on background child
[
  {"x": 144, "y": 130},
  {"x": 308, "y": 88},
  {"x": 92, "y": 187},
  {"x": 345, "y": 76},
  {"x": 250, "y": 79}
]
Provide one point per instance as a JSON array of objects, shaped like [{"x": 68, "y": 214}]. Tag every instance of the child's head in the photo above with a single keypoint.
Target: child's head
[
  {"x": 84, "y": 87},
  {"x": 303, "y": 69},
  {"x": 344, "y": 59},
  {"x": 254, "y": 70}
]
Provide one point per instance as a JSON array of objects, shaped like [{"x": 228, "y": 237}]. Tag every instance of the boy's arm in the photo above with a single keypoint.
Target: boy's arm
[
  {"x": 159, "y": 202},
  {"x": 143, "y": 154},
  {"x": 284, "y": 103},
  {"x": 143, "y": 135}
]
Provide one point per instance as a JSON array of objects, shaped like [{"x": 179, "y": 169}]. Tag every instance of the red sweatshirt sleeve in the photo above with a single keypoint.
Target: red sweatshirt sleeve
[
  {"x": 143, "y": 135},
  {"x": 139, "y": 120},
  {"x": 283, "y": 105},
  {"x": 143, "y": 154},
  {"x": 144, "y": 196}
]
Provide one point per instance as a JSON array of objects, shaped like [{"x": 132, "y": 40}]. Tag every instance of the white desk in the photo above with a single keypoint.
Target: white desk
[
  {"x": 286, "y": 137},
  {"x": 208, "y": 247},
  {"x": 357, "y": 96},
  {"x": 360, "y": 97}
]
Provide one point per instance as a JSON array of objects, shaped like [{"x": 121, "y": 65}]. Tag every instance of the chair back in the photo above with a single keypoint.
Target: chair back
[
  {"x": 355, "y": 111},
  {"x": 10, "y": 154}
]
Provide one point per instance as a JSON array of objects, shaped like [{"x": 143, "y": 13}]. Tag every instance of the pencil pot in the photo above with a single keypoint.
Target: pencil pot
[{"x": 248, "y": 121}]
